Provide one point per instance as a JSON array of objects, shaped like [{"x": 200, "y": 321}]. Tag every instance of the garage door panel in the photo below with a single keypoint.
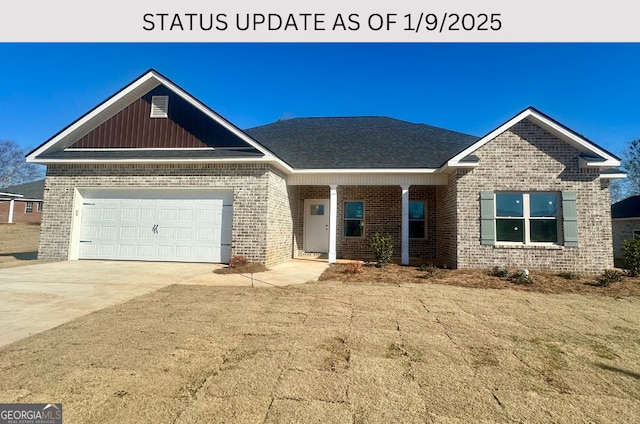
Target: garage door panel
[
  {"x": 108, "y": 232},
  {"x": 185, "y": 215},
  {"x": 176, "y": 226},
  {"x": 90, "y": 231},
  {"x": 145, "y": 214},
  {"x": 109, "y": 213},
  {"x": 184, "y": 233},
  {"x": 127, "y": 250},
  {"x": 144, "y": 251},
  {"x": 165, "y": 233},
  {"x": 128, "y": 232}
]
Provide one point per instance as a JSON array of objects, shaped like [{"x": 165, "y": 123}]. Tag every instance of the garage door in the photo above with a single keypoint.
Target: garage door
[{"x": 154, "y": 225}]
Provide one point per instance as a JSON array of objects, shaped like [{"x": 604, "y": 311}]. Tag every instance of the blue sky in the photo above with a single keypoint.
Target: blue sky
[{"x": 592, "y": 88}]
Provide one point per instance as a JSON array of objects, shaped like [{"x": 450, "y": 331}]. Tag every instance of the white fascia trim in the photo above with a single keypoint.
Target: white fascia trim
[
  {"x": 366, "y": 171},
  {"x": 619, "y": 176},
  {"x": 11, "y": 195},
  {"x": 540, "y": 119},
  {"x": 452, "y": 166},
  {"x": 97, "y": 111},
  {"x": 585, "y": 163}
]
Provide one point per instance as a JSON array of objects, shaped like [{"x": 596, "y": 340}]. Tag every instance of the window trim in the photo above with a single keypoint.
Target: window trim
[
  {"x": 344, "y": 219},
  {"x": 39, "y": 206},
  {"x": 527, "y": 218},
  {"x": 423, "y": 220},
  {"x": 27, "y": 206}
]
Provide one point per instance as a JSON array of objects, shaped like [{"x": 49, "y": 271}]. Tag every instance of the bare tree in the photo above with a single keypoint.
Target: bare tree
[
  {"x": 621, "y": 189},
  {"x": 13, "y": 167}
]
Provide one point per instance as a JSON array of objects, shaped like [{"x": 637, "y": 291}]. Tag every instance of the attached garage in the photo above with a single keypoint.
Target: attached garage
[{"x": 182, "y": 225}]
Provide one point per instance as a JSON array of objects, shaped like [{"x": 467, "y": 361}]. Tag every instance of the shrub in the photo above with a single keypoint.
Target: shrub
[
  {"x": 609, "y": 276},
  {"x": 631, "y": 249},
  {"x": 521, "y": 277},
  {"x": 382, "y": 246},
  {"x": 499, "y": 271},
  {"x": 238, "y": 261},
  {"x": 431, "y": 270},
  {"x": 353, "y": 268},
  {"x": 569, "y": 275}
]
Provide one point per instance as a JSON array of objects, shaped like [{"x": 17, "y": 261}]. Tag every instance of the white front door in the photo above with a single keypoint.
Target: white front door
[{"x": 316, "y": 225}]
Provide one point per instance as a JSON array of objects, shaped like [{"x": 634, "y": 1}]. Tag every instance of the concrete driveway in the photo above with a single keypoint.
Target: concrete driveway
[{"x": 35, "y": 298}]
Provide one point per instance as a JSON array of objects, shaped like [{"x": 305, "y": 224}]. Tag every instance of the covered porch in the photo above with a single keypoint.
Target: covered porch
[{"x": 337, "y": 221}]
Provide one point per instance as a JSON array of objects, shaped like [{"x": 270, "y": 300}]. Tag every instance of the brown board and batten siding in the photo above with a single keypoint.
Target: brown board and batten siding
[{"x": 133, "y": 128}]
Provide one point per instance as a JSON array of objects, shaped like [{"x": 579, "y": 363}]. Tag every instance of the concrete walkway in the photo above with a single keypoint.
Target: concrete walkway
[{"x": 35, "y": 298}]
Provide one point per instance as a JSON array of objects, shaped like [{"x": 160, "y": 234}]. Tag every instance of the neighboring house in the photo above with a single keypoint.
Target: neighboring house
[
  {"x": 21, "y": 203},
  {"x": 154, "y": 174},
  {"x": 625, "y": 222}
]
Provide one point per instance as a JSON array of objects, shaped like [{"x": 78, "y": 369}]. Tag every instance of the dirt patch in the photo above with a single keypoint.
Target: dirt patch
[
  {"x": 19, "y": 244},
  {"x": 543, "y": 282},
  {"x": 249, "y": 268},
  {"x": 336, "y": 352}
]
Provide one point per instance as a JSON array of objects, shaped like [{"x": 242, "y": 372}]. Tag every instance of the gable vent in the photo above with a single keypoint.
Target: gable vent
[{"x": 159, "y": 106}]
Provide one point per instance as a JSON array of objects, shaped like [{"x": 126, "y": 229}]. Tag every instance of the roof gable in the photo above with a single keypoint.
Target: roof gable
[
  {"x": 593, "y": 155},
  {"x": 204, "y": 128}
]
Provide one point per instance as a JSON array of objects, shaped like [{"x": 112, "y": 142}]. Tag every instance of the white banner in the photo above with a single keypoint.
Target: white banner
[{"x": 321, "y": 21}]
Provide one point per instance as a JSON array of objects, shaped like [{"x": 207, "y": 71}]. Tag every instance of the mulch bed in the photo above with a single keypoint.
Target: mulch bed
[{"x": 543, "y": 281}]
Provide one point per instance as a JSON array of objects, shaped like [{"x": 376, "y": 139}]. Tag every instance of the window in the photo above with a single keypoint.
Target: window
[
  {"x": 353, "y": 219},
  {"x": 28, "y": 207},
  {"x": 316, "y": 209},
  {"x": 416, "y": 219},
  {"x": 39, "y": 206},
  {"x": 526, "y": 217},
  {"x": 636, "y": 234}
]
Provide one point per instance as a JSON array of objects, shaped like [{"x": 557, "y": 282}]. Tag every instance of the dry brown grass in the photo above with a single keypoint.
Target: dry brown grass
[
  {"x": 339, "y": 353},
  {"x": 544, "y": 282},
  {"x": 249, "y": 268},
  {"x": 18, "y": 244}
]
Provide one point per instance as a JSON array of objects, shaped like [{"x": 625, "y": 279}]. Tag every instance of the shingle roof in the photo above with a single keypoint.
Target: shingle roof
[
  {"x": 32, "y": 190},
  {"x": 366, "y": 142},
  {"x": 627, "y": 208}
]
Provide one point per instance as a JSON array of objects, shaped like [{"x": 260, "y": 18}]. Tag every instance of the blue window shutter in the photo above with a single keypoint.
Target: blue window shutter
[
  {"x": 570, "y": 218},
  {"x": 487, "y": 216}
]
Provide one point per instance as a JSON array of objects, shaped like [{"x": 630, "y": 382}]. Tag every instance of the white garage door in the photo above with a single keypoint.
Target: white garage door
[{"x": 157, "y": 225}]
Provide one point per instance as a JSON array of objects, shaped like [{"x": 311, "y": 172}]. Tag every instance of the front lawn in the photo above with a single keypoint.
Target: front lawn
[{"x": 338, "y": 352}]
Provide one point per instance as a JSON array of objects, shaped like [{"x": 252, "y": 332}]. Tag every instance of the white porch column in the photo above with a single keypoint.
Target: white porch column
[
  {"x": 333, "y": 221},
  {"x": 11, "y": 204},
  {"x": 405, "y": 224}
]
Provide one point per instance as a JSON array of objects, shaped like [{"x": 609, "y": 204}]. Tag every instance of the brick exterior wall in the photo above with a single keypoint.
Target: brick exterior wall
[
  {"x": 279, "y": 245},
  {"x": 527, "y": 158},
  {"x": 19, "y": 212},
  {"x": 623, "y": 230},
  {"x": 382, "y": 213},
  {"x": 447, "y": 222},
  {"x": 259, "y": 206}
]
